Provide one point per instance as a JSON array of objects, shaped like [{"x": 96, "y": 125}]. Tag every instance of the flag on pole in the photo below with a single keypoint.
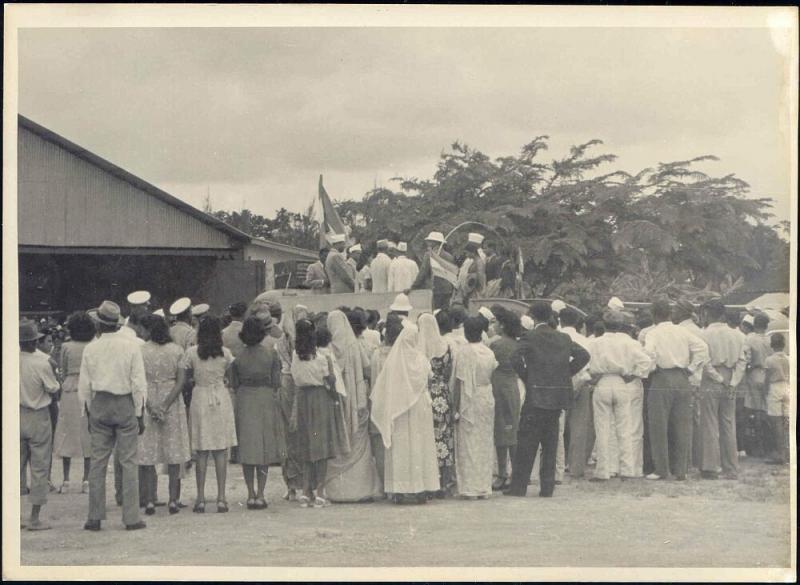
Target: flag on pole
[
  {"x": 329, "y": 223},
  {"x": 445, "y": 269}
]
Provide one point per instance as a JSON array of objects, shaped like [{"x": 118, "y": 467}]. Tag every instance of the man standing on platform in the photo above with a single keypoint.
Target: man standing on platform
[
  {"x": 403, "y": 270},
  {"x": 546, "y": 361},
  {"x": 112, "y": 388},
  {"x": 316, "y": 279},
  {"x": 426, "y": 279},
  {"x": 679, "y": 358},
  {"x": 337, "y": 269},
  {"x": 379, "y": 268},
  {"x": 359, "y": 276}
]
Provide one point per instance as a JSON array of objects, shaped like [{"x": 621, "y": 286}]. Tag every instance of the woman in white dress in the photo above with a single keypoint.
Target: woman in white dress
[
  {"x": 474, "y": 400},
  {"x": 401, "y": 411}
]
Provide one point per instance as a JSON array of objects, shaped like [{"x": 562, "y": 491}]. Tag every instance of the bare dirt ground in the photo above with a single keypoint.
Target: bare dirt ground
[{"x": 636, "y": 523}]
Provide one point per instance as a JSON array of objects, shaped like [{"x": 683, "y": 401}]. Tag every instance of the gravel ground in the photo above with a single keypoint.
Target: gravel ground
[{"x": 744, "y": 523}]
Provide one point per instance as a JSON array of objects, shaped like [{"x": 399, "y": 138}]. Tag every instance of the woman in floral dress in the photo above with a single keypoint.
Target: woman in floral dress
[
  {"x": 166, "y": 436},
  {"x": 436, "y": 349}
]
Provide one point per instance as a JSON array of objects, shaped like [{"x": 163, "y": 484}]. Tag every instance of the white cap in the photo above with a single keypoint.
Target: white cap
[
  {"x": 616, "y": 304},
  {"x": 337, "y": 238},
  {"x": 392, "y": 245},
  {"x": 356, "y": 248},
  {"x": 437, "y": 237},
  {"x": 474, "y": 238},
  {"x": 200, "y": 309},
  {"x": 526, "y": 322},
  {"x": 180, "y": 306},
  {"x": 487, "y": 313},
  {"x": 558, "y": 305},
  {"x": 159, "y": 312},
  {"x": 402, "y": 304},
  {"x": 139, "y": 297},
  {"x": 748, "y": 319},
  {"x": 382, "y": 243},
  {"x": 402, "y": 247}
]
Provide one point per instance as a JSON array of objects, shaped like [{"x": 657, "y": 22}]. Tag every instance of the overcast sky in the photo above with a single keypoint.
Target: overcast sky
[{"x": 255, "y": 115}]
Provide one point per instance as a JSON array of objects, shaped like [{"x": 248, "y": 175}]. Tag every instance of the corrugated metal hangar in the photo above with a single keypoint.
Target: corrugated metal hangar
[{"x": 89, "y": 230}]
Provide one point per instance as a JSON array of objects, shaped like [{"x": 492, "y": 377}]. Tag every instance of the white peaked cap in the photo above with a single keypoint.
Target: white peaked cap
[
  {"x": 392, "y": 245},
  {"x": 437, "y": 237},
  {"x": 401, "y": 303},
  {"x": 558, "y": 305},
  {"x": 474, "y": 238},
  {"x": 382, "y": 243},
  {"x": 402, "y": 247},
  {"x": 615, "y": 304},
  {"x": 526, "y": 322},
  {"x": 159, "y": 312},
  {"x": 180, "y": 306},
  {"x": 748, "y": 319},
  {"x": 356, "y": 248},
  {"x": 200, "y": 309},
  {"x": 138, "y": 297},
  {"x": 336, "y": 238},
  {"x": 486, "y": 313}
]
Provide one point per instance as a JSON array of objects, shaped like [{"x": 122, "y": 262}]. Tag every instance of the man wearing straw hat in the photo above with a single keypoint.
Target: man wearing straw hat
[
  {"x": 112, "y": 388},
  {"x": 37, "y": 384},
  {"x": 441, "y": 287}
]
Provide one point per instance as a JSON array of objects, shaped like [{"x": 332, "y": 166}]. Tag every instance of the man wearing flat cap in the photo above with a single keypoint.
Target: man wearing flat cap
[
  {"x": 472, "y": 274},
  {"x": 360, "y": 277},
  {"x": 112, "y": 389},
  {"x": 336, "y": 267}
]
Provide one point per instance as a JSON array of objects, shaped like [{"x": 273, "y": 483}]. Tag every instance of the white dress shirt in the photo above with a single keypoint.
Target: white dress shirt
[
  {"x": 402, "y": 273},
  {"x": 131, "y": 334},
  {"x": 618, "y": 353},
  {"x": 379, "y": 269},
  {"x": 113, "y": 363},
  {"x": 673, "y": 346}
]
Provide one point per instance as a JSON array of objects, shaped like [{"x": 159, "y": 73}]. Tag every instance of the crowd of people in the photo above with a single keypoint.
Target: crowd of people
[
  {"x": 481, "y": 270},
  {"x": 412, "y": 407}
]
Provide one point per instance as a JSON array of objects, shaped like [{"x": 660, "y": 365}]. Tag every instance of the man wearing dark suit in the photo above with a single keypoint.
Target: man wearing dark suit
[{"x": 546, "y": 361}]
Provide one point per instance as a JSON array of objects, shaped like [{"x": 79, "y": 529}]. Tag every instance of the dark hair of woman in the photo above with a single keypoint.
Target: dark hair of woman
[
  {"x": 158, "y": 328},
  {"x": 509, "y": 321},
  {"x": 305, "y": 341},
  {"x": 474, "y": 327},
  {"x": 324, "y": 337},
  {"x": 357, "y": 320},
  {"x": 599, "y": 328},
  {"x": 373, "y": 317},
  {"x": 443, "y": 320},
  {"x": 394, "y": 325},
  {"x": 81, "y": 326},
  {"x": 209, "y": 338},
  {"x": 252, "y": 332}
]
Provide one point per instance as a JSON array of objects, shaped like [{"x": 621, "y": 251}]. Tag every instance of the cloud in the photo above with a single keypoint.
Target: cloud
[{"x": 260, "y": 113}]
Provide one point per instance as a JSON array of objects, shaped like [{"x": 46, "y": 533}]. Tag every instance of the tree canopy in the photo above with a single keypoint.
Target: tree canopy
[{"x": 585, "y": 231}]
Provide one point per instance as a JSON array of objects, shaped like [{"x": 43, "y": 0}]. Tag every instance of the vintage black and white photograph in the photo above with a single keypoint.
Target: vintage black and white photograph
[{"x": 379, "y": 288}]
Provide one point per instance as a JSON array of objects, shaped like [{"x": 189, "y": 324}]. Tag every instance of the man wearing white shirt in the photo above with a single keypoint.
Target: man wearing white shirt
[
  {"x": 684, "y": 315},
  {"x": 679, "y": 357},
  {"x": 379, "y": 268},
  {"x": 718, "y": 397},
  {"x": 112, "y": 388},
  {"x": 618, "y": 364},
  {"x": 402, "y": 271}
]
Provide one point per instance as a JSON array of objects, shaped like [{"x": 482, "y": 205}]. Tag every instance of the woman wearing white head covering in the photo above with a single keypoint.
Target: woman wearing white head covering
[
  {"x": 472, "y": 388},
  {"x": 401, "y": 410},
  {"x": 436, "y": 349},
  {"x": 352, "y": 477}
]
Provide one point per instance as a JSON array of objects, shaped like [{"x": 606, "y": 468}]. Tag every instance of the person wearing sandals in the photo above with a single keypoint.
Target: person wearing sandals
[
  {"x": 505, "y": 388},
  {"x": 255, "y": 377},
  {"x": 213, "y": 430},
  {"x": 166, "y": 435},
  {"x": 440, "y": 356},
  {"x": 313, "y": 418},
  {"x": 402, "y": 413},
  {"x": 475, "y": 413},
  {"x": 352, "y": 477},
  {"x": 72, "y": 433}
]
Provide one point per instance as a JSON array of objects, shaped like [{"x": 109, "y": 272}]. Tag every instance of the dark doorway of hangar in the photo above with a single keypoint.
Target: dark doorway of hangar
[{"x": 59, "y": 283}]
